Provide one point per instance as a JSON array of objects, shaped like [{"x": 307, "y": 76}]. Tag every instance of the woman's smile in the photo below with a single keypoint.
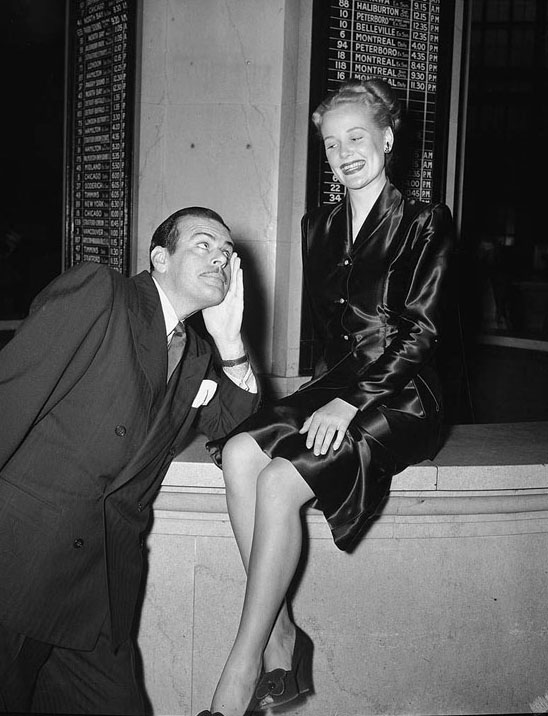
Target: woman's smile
[{"x": 352, "y": 167}]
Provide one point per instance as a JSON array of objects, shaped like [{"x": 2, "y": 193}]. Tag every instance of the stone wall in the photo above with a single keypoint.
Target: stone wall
[{"x": 440, "y": 610}]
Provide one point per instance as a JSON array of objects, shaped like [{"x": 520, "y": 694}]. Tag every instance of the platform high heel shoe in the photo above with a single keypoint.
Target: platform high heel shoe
[
  {"x": 218, "y": 713},
  {"x": 249, "y": 711},
  {"x": 285, "y": 686}
]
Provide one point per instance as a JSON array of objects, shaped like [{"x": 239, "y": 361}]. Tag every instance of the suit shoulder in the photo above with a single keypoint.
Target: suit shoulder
[
  {"x": 430, "y": 224},
  {"x": 322, "y": 214},
  {"x": 438, "y": 210},
  {"x": 88, "y": 282},
  {"x": 317, "y": 220},
  {"x": 86, "y": 272}
]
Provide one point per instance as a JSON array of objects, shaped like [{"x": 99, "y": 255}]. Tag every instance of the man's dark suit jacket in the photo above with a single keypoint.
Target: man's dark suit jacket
[{"x": 88, "y": 429}]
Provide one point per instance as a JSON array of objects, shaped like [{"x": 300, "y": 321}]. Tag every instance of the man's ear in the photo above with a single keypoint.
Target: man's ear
[{"x": 158, "y": 258}]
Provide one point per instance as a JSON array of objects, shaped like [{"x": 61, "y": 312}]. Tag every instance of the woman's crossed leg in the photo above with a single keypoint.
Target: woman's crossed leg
[{"x": 264, "y": 498}]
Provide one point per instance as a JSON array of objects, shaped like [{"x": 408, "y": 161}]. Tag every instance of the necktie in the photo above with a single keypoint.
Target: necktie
[{"x": 175, "y": 348}]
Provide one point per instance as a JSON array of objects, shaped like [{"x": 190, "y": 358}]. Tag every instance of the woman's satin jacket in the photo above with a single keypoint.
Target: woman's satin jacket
[{"x": 376, "y": 301}]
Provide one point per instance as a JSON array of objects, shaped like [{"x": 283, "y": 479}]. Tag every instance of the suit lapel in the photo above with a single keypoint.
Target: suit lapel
[
  {"x": 380, "y": 210},
  {"x": 185, "y": 381},
  {"x": 149, "y": 331}
]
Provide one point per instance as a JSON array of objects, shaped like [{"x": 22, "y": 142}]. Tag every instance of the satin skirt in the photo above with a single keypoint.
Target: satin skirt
[{"x": 351, "y": 483}]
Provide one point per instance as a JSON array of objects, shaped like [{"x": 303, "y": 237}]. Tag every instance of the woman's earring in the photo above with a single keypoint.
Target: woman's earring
[{"x": 387, "y": 148}]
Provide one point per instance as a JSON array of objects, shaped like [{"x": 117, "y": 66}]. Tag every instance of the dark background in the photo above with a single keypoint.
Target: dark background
[{"x": 31, "y": 153}]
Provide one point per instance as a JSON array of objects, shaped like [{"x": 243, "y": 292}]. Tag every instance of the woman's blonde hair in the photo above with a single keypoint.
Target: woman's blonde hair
[{"x": 375, "y": 94}]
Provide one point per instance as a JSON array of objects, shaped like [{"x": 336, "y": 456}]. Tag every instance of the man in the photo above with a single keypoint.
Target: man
[{"x": 89, "y": 423}]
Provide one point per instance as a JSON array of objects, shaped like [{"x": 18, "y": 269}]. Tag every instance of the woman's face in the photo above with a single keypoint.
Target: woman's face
[{"x": 354, "y": 145}]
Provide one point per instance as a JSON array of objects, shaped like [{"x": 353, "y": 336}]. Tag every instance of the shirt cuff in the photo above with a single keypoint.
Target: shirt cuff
[{"x": 243, "y": 376}]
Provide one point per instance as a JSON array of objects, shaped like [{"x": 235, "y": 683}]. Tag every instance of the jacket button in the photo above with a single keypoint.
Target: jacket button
[
  {"x": 346, "y": 337},
  {"x": 120, "y": 430},
  {"x": 346, "y": 262},
  {"x": 78, "y": 542},
  {"x": 139, "y": 507},
  {"x": 342, "y": 300}
]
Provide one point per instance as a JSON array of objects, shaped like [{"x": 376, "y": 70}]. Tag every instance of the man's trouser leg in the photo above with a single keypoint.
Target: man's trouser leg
[
  {"x": 21, "y": 659},
  {"x": 101, "y": 681}
]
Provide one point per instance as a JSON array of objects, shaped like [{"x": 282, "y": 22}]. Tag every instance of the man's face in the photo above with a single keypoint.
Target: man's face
[{"x": 197, "y": 274}]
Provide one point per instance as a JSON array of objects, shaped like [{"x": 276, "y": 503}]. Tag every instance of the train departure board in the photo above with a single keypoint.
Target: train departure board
[
  {"x": 408, "y": 44},
  {"x": 101, "y": 71}
]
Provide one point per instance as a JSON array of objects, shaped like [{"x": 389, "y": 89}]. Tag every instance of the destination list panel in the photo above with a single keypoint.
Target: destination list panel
[{"x": 101, "y": 134}]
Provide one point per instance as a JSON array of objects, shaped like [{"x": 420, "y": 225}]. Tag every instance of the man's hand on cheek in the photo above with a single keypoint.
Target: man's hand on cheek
[{"x": 224, "y": 321}]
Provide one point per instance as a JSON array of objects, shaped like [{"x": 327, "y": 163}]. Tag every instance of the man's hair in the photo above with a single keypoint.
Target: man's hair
[{"x": 167, "y": 234}]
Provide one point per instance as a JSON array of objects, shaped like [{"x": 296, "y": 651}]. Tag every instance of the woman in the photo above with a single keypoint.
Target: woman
[{"x": 373, "y": 268}]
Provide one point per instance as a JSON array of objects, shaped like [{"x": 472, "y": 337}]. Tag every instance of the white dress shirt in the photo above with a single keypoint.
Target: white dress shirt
[{"x": 242, "y": 374}]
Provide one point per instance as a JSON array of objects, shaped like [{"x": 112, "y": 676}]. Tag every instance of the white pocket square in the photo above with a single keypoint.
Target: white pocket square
[{"x": 206, "y": 391}]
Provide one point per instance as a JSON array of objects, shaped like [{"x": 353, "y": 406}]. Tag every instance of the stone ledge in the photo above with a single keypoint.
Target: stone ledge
[
  {"x": 400, "y": 526},
  {"x": 474, "y": 457},
  {"x": 481, "y": 470}
]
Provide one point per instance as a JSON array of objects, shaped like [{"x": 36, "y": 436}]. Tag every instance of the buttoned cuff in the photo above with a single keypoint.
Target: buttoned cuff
[{"x": 243, "y": 376}]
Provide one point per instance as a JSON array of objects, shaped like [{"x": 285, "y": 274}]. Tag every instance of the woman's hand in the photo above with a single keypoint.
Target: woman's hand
[{"x": 324, "y": 423}]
